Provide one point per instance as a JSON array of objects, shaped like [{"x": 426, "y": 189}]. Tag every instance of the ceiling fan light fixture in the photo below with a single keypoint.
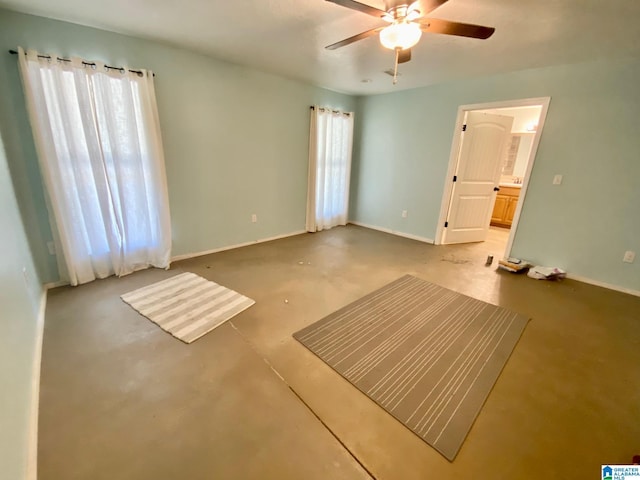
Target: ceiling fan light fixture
[{"x": 400, "y": 35}]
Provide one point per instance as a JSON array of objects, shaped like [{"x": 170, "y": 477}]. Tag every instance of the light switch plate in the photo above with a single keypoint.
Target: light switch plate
[
  {"x": 557, "y": 180},
  {"x": 629, "y": 256}
]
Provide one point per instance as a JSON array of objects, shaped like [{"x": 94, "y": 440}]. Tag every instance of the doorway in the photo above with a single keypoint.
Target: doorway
[{"x": 507, "y": 183}]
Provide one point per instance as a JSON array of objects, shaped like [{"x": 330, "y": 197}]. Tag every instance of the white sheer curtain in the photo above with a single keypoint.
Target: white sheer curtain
[
  {"x": 330, "y": 145},
  {"x": 98, "y": 141}
]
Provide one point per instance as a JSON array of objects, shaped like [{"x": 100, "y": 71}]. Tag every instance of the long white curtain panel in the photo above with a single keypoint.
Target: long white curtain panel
[
  {"x": 98, "y": 141},
  {"x": 330, "y": 146}
]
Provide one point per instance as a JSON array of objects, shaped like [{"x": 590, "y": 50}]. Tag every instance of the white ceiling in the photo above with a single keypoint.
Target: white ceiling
[{"x": 287, "y": 37}]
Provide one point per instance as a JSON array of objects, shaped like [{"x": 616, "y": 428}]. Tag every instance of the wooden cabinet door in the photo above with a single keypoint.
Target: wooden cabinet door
[
  {"x": 510, "y": 210},
  {"x": 500, "y": 209}
]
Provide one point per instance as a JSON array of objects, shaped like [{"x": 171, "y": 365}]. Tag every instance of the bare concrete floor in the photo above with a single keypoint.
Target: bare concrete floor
[{"x": 121, "y": 399}]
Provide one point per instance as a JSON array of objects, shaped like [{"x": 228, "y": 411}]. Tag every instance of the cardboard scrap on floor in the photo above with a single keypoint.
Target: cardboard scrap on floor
[
  {"x": 516, "y": 265},
  {"x": 513, "y": 265},
  {"x": 546, "y": 273}
]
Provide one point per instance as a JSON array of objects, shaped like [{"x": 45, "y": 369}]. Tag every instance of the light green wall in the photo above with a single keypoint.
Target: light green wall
[
  {"x": 236, "y": 140},
  {"x": 591, "y": 137},
  {"x": 20, "y": 295}
]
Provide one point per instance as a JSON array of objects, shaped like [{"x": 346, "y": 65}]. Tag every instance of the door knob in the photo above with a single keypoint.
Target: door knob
[{"x": 496, "y": 189}]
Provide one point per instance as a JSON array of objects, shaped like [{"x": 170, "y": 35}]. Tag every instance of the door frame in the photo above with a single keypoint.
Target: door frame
[{"x": 455, "y": 151}]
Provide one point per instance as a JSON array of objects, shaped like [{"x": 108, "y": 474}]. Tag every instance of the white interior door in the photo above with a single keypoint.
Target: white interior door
[{"x": 477, "y": 176}]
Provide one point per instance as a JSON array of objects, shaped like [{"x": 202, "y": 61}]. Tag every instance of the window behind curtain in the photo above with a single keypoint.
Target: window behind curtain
[
  {"x": 99, "y": 147},
  {"x": 330, "y": 148}
]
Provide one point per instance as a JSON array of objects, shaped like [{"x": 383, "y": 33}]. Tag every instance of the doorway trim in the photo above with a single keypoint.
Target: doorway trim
[{"x": 455, "y": 150}]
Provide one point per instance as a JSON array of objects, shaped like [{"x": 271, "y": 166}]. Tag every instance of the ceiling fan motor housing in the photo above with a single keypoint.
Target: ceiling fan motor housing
[{"x": 401, "y": 10}]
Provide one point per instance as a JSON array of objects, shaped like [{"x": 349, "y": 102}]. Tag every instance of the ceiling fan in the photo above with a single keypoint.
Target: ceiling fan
[{"x": 406, "y": 24}]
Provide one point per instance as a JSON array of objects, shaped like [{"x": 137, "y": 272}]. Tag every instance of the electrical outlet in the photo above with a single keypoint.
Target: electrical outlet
[
  {"x": 51, "y": 247},
  {"x": 404, "y": 214},
  {"x": 629, "y": 256},
  {"x": 254, "y": 218},
  {"x": 557, "y": 180},
  {"x": 25, "y": 276}
]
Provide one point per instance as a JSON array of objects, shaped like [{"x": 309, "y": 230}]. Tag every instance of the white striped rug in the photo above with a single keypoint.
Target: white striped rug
[{"x": 187, "y": 305}]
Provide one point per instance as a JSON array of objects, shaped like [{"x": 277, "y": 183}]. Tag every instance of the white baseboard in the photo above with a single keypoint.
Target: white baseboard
[
  {"x": 394, "y": 232},
  {"x": 32, "y": 452},
  {"x": 239, "y": 245},
  {"x": 598, "y": 283},
  {"x": 59, "y": 283}
]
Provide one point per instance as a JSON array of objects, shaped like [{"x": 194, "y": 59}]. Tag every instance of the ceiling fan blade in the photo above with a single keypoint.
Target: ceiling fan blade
[
  {"x": 434, "y": 25},
  {"x": 404, "y": 55},
  {"x": 427, "y": 6},
  {"x": 353, "y": 39},
  {"x": 360, "y": 7}
]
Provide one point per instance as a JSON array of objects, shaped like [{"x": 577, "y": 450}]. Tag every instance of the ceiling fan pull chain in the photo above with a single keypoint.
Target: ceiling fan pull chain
[{"x": 395, "y": 68}]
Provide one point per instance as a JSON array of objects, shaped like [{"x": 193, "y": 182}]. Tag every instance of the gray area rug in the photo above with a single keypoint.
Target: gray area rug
[
  {"x": 187, "y": 305},
  {"x": 427, "y": 355}
]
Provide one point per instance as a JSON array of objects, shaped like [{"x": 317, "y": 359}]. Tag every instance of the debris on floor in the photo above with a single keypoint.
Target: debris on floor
[
  {"x": 513, "y": 265},
  {"x": 546, "y": 273},
  {"x": 455, "y": 260}
]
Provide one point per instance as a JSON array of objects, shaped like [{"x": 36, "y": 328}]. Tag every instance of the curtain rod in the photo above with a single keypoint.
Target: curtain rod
[
  {"x": 322, "y": 109},
  {"x": 89, "y": 64}
]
